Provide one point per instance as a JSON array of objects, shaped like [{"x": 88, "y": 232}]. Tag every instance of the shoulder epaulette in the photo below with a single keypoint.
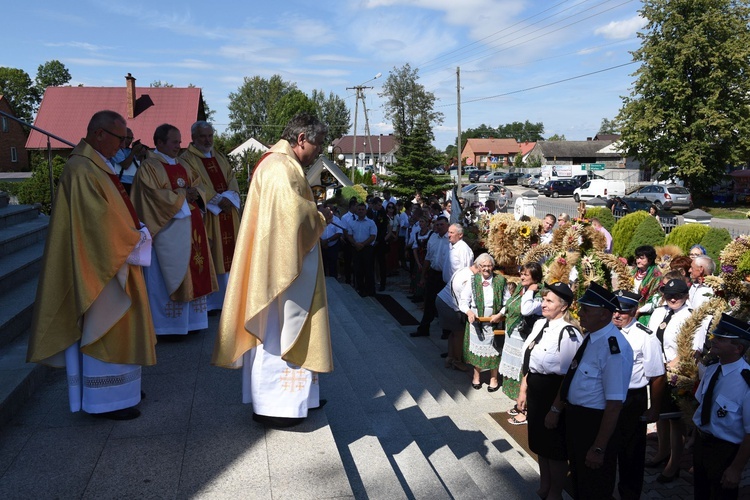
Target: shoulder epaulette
[
  {"x": 644, "y": 328},
  {"x": 614, "y": 347},
  {"x": 746, "y": 376},
  {"x": 572, "y": 333}
]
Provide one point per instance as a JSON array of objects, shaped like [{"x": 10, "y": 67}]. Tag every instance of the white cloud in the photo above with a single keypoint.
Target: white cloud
[
  {"x": 81, "y": 45},
  {"x": 621, "y": 29}
]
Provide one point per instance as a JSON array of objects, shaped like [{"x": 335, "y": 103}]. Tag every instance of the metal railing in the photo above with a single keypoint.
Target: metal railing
[{"x": 49, "y": 136}]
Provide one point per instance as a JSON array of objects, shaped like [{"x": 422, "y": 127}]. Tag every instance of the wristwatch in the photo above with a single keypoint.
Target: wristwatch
[
  {"x": 598, "y": 451},
  {"x": 555, "y": 409}
]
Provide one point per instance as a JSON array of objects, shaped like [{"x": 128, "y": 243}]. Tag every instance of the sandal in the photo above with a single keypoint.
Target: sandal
[
  {"x": 514, "y": 421},
  {"x": 514, "y": 411}
]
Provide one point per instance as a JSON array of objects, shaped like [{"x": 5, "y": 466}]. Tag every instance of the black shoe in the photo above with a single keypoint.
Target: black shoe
[
  {"x": 277, "y": 422},
  {"x": 653, "y": 464},
  {"x": 445, "y": 335},
  {"x": 493, "y": 389},
  {"x": 124, "y": 414},
  {"x": 417, "y": 299},
  {"x": 214, "y": 312},
  {"x": 477, "y": 386},
  {"x": 419, "y": 334},
  {"x": 661, "y": 478},
  {"x": 444, "y": 355},
  {"x": 382, "y": 288},
  {"x": 143, "y": 395}
]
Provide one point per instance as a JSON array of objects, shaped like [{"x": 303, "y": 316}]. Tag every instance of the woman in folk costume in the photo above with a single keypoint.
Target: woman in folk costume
[
  {"x": 484, "y": 298},
  {"x": 646, "y": 278},
  {"x": 274, "y": 323},
  {"x": 523, "y": 306}
]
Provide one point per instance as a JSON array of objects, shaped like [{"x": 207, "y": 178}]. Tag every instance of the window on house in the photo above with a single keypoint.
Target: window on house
[
  {"x": 5, "y": 124},
  {"x": 13, "y": 155}
]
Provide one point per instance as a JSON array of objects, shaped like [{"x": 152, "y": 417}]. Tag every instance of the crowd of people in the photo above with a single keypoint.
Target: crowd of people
[{"x": 521, "y": 330}]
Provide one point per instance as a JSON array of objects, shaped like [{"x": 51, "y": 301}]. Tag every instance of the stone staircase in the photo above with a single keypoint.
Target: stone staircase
[
  {"x": 397, "y": 425},
  {"x": 22, "y": 233}
]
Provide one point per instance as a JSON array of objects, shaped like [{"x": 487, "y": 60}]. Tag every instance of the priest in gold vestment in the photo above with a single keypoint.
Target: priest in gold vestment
[
  {"x": 91, "y": 312},
  {"x": 222, "y": 217},
  {"x": 274, "y": 324},
  {"x": 169, "y": 199}
]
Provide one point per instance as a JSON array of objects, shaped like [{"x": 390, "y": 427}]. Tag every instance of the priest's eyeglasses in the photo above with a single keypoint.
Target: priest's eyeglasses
[{"x": 122, "y": 138}]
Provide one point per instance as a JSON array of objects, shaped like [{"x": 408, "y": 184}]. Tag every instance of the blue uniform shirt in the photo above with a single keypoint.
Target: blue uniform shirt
[{"x": 730, "y": 408}]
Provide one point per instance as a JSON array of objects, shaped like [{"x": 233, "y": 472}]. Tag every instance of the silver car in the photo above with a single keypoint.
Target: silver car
[
  {"x": 496, "y": 176},
  {"x": 666, "y": 196}
]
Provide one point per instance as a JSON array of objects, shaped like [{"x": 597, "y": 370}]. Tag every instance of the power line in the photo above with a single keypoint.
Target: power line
[{"x": 540, "y": 86}]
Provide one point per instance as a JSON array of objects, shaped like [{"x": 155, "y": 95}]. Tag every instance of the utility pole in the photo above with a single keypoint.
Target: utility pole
[
  {"x": 458, "y": 121},
  {"x": 359, "y": 94}
]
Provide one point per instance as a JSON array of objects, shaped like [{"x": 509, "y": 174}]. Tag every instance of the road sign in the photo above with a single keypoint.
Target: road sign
[{"x": 593, "y": 166}]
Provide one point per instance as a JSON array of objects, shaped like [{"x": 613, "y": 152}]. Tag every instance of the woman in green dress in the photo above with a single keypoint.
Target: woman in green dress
[{"x": 483, "y": 299}]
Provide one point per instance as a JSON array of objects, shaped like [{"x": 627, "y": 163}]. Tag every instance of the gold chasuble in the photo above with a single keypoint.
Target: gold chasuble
[
  {"x": 217, "y": 176},
  {"x": 159, "y": 192},
  {"x": 280, "y": 226},
  {"x": 92, "y": 232}
]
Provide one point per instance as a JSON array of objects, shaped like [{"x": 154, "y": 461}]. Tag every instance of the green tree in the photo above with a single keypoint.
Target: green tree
[
  {"x": 415, "y": 158},
  {"x": 51, "y": 74},
  {"x": 648, "y": 232},
  {"x": 250, "y": 107},
  {"x": 157, "y": 84},
  {"x": 521, "y": 132},
  {"x": 333, "y": 111},
  {"x": 687, "y": 235},
  {"x": 293, "y": 102},
  {"x": 408, "y": 105},
  {"x": 609, "y": 127},
  {"x": 518, "y": 160},
  {"x": 22, "y": 94},
  {"x": 35, "y": 189},
  {"x": 690, "y": 104},
  {"x": 557, "y": 137},
  {"x": 623, "y": 230}
]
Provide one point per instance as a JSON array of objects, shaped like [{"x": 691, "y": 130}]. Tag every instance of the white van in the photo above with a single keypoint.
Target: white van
[{"x": 603, "y": 188}]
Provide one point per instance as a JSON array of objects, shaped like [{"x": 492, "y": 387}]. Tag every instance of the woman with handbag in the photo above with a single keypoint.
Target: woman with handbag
[
  {"x": 482, "y": 299},
  {"x": 523, "y": 308}
]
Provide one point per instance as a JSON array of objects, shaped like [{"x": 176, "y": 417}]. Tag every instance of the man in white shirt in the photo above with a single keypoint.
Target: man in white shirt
[
  {"x": 432, "y": 273},
  {"x": 699, "y": 293},
  {"x": 547, "y": 224}
]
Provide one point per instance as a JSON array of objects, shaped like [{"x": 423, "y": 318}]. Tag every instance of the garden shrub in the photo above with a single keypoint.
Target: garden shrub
[
  {"x": 714, "y": 242},
  {"x": 648, "y": 232},
  {"x": 348, "y": 191},
  {"x": 603, "y": 214},
  {"x": 36, "y": 188},
  {"x": 623, "y": 230},
  {"x": 686, "y": 236}
]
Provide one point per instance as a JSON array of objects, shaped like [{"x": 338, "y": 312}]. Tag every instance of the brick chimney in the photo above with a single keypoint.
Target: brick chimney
[{"x": 130, "y": 92}]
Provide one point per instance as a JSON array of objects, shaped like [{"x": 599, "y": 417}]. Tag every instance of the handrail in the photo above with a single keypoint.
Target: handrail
[{"x": 49, "y": 151}]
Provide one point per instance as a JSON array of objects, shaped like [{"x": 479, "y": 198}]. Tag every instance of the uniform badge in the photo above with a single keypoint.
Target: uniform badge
[
  {"x": 574, "y": 364},
  {"x": 614, "y": 347},
  {"x": 181, "y": 182},
  {"x": 721, "y": 412}
]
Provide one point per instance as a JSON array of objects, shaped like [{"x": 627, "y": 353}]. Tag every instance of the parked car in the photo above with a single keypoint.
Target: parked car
[
  {"x": 476, "y": 174},
  {"x": 556, "y": 188},
  {"x": 602, "y": 188},
  {"x": 581, "y": 179},
  {"x": 666, "y": 196},
  {"x": 492, "y": 176},
  {"x": 529, "y": 180},
  {"x": 511, "y": 178}
]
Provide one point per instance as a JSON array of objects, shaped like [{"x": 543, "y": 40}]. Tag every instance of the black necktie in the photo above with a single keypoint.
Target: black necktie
[
  {"x": 572, "y": 369},
  {"x": 663, "y": 326},
  {"x": 709, "y": 397},
  {"x": 527, "y": 354}
]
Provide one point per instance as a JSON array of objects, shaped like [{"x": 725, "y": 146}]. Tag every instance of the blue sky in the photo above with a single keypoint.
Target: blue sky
[{"x": 501, "y": 46}]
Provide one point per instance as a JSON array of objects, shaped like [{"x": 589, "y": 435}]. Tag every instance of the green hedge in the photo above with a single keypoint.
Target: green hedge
[
  {"x": 714, "y": 242},
  {"x": 36, "y": 188},
  {"x": 648, "y": 232},
  {"x": 603, "y": 214},
  {"x": 686, "y": 236},
  {"x": 624, "y": 229}
]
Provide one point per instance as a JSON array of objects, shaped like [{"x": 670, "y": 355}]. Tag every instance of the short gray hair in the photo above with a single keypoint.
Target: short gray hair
[
  {"x": 200, "y": 124},
  {"x": 485, "y": 257},
  {"x": 458, "y": 227},
  {"x": 304, "y": 123},
  {"x": 707, "y": 263},
  {"x": 104, "y": 119}
]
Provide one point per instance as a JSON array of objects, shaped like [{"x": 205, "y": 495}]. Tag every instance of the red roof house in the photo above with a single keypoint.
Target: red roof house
[
  {"x": 13, "y": 155},
  {"x": 490, "y": 152},
  {"x": 66, "y": 111}
]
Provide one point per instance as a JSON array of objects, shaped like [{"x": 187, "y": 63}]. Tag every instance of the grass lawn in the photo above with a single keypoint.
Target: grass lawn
[{"x": 727, "y": 212}]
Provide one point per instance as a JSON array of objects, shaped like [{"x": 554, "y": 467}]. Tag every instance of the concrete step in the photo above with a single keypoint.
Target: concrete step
[
  {"x": 23, "y": 234},
  {"x": 17, "y": 307},
  {"x": 403, "y": 421},
  {"x": 439, "y": 412},
  {"x": 21, "y": 266},
  {"x": 18, "y": 379},
  {"x": 15, "y": 214}
]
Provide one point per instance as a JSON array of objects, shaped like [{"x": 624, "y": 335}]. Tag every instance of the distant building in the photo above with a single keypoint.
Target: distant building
[
  {"x": 378, "y": 150},
  {"x": 490, "y": 153},
  {"x": 66, "y": 111},
  {"x": 13, "y": 154}
]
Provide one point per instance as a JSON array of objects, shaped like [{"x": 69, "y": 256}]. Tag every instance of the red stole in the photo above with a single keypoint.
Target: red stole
[
  {"x": 200, "y": 271},
  {"x": 116, "y": 181},
  {"x": 226, "y": 223}
]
